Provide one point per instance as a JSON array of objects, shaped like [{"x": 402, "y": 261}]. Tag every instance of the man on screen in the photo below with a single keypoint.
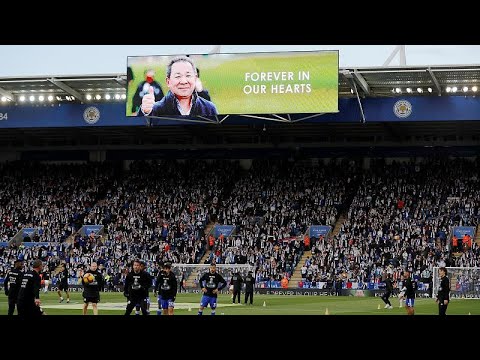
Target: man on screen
[
  {"x": 182, "y": 98},
  {"x": 144, "y": 89}
]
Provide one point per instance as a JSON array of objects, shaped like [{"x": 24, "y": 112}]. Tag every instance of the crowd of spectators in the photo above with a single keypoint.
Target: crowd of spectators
[
  {"x": 272, "y": 204},
  {"x": 401, "y": 218},
  {"x": 51, "y": 198},
  {"x": 397, "y": 216}
]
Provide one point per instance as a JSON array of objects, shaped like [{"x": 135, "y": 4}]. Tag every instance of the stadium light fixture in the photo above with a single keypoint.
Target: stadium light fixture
[
  {"x": 124, "y": 96},
  {"x": 454, "y": 89},
  {"x": 409, "y": 90},
  {"x": 50, "y": 98},
  {"x": 465, "y": 89},
  {"x": 448, "y": 89},
  {"x": 59, "y": 98},
  {"x": 22, "y": 98},
  {"x": 4, "y": 98},
  {"x": 88, "y": 97},
  {"x": 430, "y": 90},
  {"x": 474, "y": 88},
  {"x": 41, "y": 98},
  {"x": 117, "y": 96},
  {"x": 398, "y": 90},
  {"x": 107, "y": 97},
  {"x": 419, "y": 90},
  {"x": 98, "y": 96}
]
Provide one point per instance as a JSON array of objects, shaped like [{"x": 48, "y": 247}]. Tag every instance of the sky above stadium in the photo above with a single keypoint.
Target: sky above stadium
[{"x": 39, "y": 60}]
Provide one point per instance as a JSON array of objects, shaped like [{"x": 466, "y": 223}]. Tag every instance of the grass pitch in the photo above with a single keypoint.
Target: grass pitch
[{"x": 187, "y": 304}]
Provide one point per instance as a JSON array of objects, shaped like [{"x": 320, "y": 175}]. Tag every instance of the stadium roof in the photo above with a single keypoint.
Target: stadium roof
[{"x": 368, "y": 81}]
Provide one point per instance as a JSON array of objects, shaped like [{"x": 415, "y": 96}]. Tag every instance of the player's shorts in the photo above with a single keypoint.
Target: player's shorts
[
  {"x": 63, "y": 287},
  {"x": 91, "y": 299},
  {"x": 230, "y": 288},
  {"x": 166, "y": 303},
  {"x": 401, "y": 294},
  {"x": 410, "y": 302},
  {"x": 208, "y": 300},
  {"x": 47, "y": 283}
]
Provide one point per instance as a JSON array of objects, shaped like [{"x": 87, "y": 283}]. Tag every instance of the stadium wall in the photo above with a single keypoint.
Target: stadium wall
[
  {"x": 280, "y": 292},
  {"x": 444, "y": 108}
]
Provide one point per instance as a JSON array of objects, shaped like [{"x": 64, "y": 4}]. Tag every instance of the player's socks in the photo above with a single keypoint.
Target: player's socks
[
  {"x": 68, "y": 300},
  {"x": 213, "y": 312},
  {"x": 159, "y": 312},
  {"x": 200, "y": 312},
  {"x": 137, "y": 312}
]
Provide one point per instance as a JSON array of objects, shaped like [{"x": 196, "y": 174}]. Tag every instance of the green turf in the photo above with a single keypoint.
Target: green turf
[{"x": 275, "y": 305}]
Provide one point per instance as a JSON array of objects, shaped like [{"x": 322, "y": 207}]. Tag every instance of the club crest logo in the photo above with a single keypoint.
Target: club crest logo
[
  {"x": 402, "y": 109},
  {"x": 91, "y": 115}
]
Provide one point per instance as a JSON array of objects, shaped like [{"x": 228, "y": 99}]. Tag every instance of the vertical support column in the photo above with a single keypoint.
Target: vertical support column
[{"x": 97, "y": 155}]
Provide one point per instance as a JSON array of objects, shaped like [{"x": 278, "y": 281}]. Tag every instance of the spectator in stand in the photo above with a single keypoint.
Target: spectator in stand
[{"x": 454, "y": 243}]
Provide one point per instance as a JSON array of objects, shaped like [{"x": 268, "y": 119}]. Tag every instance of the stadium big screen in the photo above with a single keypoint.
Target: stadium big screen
[{"x": 249, "y": 83}]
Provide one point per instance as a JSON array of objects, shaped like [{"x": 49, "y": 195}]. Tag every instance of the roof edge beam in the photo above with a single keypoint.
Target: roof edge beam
[
  {"x": 7, "y": 94},
  {"x": 360, "y": 80},
  {"x": 435, "y": 81},
  {"x": 66, "y": 88},
  {"x": 121, "y": 81}
]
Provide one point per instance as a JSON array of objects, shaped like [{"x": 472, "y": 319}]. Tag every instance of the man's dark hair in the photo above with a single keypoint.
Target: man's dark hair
[
  {"x": 37, "y": 263},
  {"x": 177, "y": 59},
  {"x": 444, "y": 269}
]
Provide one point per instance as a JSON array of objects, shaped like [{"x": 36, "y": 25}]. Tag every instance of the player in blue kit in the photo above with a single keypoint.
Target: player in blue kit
[
  {"x": 211, "y": 283},
  {"x": 166, "y": 288}
]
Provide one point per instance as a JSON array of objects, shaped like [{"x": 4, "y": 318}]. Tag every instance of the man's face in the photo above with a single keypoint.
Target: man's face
[
  {"x": 182, "y": 79},
  {"x": 441, "y": 273},
  {"x": 167, "y": 270},
  {"x": 212, "y": 269},
  {"x": 150, "y": 76},
  {"x": 93, "y": 266},
  {"x": 136, "y": 267}
]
